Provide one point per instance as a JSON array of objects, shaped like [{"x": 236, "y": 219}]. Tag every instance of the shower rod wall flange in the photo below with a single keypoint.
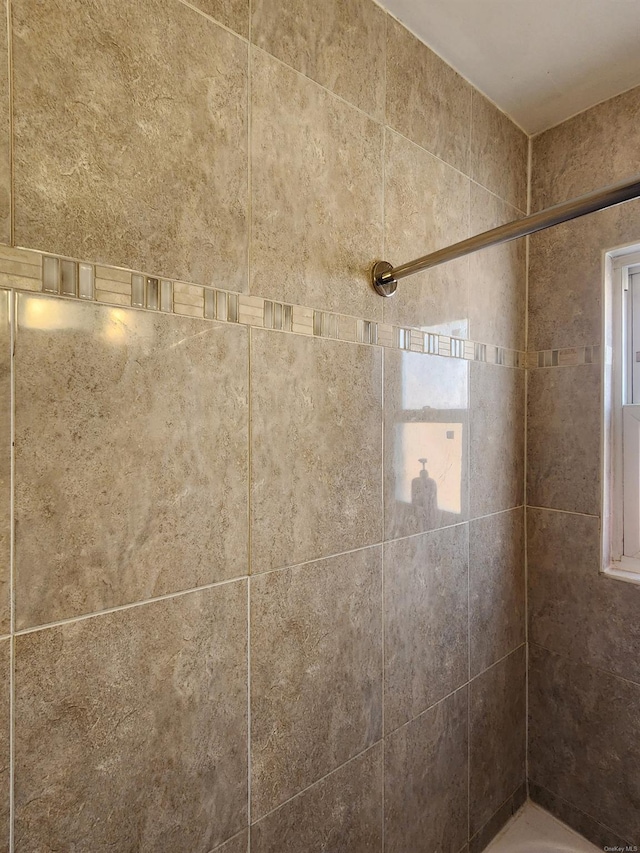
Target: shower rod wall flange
[{"x": 385, "y": 277}]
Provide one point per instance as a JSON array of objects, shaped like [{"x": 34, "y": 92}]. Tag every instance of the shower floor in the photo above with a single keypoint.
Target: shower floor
[{"x": 534, "y": 830}]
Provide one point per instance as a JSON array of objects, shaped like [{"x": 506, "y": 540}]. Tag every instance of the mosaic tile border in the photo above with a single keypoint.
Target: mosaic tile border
[{"x": 24, "y": 269}]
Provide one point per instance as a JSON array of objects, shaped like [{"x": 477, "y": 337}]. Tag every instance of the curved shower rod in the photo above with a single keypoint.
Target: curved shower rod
[{"x": 385, "y": 277}]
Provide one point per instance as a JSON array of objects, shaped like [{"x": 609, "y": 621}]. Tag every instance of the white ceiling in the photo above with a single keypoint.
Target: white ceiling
[{"x": 540, "y": 61}]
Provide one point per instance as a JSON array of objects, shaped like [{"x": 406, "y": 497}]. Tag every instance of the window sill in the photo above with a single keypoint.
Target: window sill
[{"x": 627, "y": 569}]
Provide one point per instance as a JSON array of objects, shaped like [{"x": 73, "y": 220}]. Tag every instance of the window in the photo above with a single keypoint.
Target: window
[{"x": 621, "y": 529}]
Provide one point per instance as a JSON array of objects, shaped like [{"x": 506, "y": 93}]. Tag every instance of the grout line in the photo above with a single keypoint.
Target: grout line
[
  {"x": 378, "y": 743},
  {"x": 12, "y": 169},
  {"x": 12, "y": 551},
  {"x": 215, "y": 21},
  {"x": 96, "y": 613},
  {"x": 382, "y": 615},
  {"x": 577, "y": 662},
  {"x": 249, "y": 764},
  {"x": 563, "y": 511},
  {"x": 501, "y": 806},
  {"x": 526, "y": 473}
]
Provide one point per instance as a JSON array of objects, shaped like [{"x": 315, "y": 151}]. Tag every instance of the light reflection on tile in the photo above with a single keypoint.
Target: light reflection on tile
[{"x": 425, "y": 448}]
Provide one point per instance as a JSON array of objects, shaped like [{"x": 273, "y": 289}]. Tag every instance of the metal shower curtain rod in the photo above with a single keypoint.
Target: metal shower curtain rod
[{"x": 385, "y": 277}]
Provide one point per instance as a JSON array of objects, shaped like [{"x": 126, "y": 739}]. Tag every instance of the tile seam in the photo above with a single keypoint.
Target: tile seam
[
  {"x": 501, "y": 806},
  {"x": 576, "y": 662}
]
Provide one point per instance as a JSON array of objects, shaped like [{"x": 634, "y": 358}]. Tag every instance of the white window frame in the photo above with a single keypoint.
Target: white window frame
[{"x": 620, "y": 421}]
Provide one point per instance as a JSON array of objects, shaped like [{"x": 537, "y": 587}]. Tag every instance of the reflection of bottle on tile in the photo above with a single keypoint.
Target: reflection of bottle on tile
[{"x": 424, "y": 494}]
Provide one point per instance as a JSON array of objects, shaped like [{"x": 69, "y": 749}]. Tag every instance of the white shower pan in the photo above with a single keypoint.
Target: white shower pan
[{"x": 534, "y": 830}]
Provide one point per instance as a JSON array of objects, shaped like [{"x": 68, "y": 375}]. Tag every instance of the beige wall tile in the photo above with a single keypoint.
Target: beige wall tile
[
  {"x": 583, "y": 736},
  {"x": 342, "y": 812},
  {"x": 338, "y": 43},
  {"x": 497, "y": 614},
  {"x": 144, "y": 716},
  {"x": 573, "y": 609},
  {"x": 497, "y": 277},
  {"x": 5, "y": 663},
  {"x": 563, "y": 438},
  {"x": 426, "y": 208},
  {"x": 426, "y": 625},
  {"x": 427, "y": 101},
  {"x": 5, "y": 132},
  {"x": 425, "y": 780},
  {"x": 316, "y": 672},
  {"x": 497, "y": 731},
  {"x": 131, "y": 456},
  {"x": 499, "y": 153},
  {"x": 316, "y": 476},
  {"x": 425, "y": 417},
  {"x": 232, "y": 13},
  {"x": 496, "y": 439},
  {"x": 5, "y": 463},
  {"x": 144, "y": 163},
  {"x": 316, "y": 173},
  {"x": 591, "y": 150}
]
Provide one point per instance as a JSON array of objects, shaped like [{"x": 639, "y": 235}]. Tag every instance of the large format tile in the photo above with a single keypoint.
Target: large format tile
[
  {"x": 427, "y": 101},
  {"x": 586, "y": 152},
  {"x": 426, "y": 208},
  {"x": 496, "y": 439},
  {"x": 131, "y": 456},
  {"x": 338, "y": 43},
  {"x": 563, "y": 438},
  {"x": 238, "y": 844},
  {"x": 426, "y": 638},
  {"x": 316, "y": 199},
  {"x": 316, "y": 643},
  {"x": 5, "y": 463},
  {"x": 341, "y": 812},
  {"x": 497, "y": 731},
  {"x": 5, "y": 132},
  {"x": 575, "y": 610},
  {"x": 497, "y": 277},
  {"x": 497, "y": 614},
  {"x": 497, "y": 821},
  {"x": 499, "y": 153},
  {"x": 583, "y": 739},
  {"x": 232, "y": 13},
  {"x": 316, "y": 448},
  {"x": 144, "y": 716},
  {"x": 426, "y": 435},
  {"x": 144, "y": 163},
  {"x": 425, "y": 781},
  {"x": 5, "y": 646}
]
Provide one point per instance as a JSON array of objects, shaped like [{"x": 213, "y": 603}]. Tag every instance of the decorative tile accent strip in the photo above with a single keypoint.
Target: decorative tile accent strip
[
  {"x": 24, "y": 269},
  {"x": 568, "y": 357}
]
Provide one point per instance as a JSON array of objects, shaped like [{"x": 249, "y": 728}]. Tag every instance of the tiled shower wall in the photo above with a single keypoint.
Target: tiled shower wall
[
  {"x": 231, "y": 606},
  {"x": 584, "y": 677}
]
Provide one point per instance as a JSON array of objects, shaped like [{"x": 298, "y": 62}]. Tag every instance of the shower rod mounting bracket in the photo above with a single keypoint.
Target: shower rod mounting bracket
[{"x": 385, "y": 277}]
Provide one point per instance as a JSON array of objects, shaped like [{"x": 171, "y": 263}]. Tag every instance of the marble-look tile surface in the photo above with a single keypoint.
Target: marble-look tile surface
[
  {"x": 316, "y": 199},
  {"x": 563, "y": 438},
  {"x": 589, "y": 828},
  {"x": 583, "y": 739},
  {"x": 5, "y": 132},
  {"x": 497, "y": 277},
  {"x": 426, "y": 781},
  {"x": 426, "y": 639},
  {"x": 427, "y": 101},
  {"x": 144, "y": 716},
  {"x": 341, "y": 812},
  {"x": 573, "y": 609},
  {"x": 5, "y": 651},
  {"x": 497, "y": 731},
  {"x": 238, "y": 844},
  {"x": 426, "y": 208},
  {"x": 316, "y": 453},
  {"x": 131, "y": 456},
  {"x": 586, "y": 152},
  {"x": 497, "y": 614},
  {"x": 144, "y": 163},
  {"x": 5, "y": 463},
  {"x": 338, "y": 43},
  {"x": 316, "y": 643},
  {"x": 496, "y": 439},
  {"x": 499, "y": 153},
  {"x": 232, "y": 13},
  {"x": 426, "y": 435}
]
